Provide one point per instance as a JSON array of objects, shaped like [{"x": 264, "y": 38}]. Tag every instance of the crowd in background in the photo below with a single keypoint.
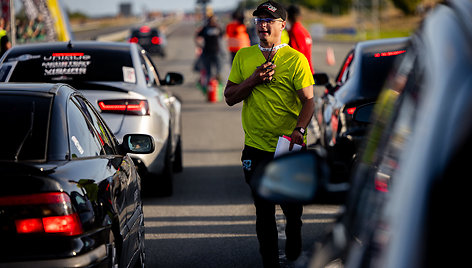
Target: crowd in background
[{"x": 241, "y": 32}]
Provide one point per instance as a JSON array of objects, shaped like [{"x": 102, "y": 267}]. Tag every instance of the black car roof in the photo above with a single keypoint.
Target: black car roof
[
  {"x": 382, "y": 43},
  {"x": 31, "y": 87}
]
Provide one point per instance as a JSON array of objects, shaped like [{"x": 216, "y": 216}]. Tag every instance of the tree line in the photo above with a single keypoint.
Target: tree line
[{"x": 408, "y": 7}]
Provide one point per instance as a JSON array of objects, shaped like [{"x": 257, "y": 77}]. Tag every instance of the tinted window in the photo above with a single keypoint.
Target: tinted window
[
  {"x": 82, "y": 136},
  {"x": 102, "y": 131},
  {"x": 80, "y": 65},
  {"x": 376, "y": 67},
  {"x": 25, "y": 121}
]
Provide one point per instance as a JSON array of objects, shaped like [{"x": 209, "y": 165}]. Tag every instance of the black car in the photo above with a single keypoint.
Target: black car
[
  {"x": 123, "y": 83},
  {"x": 70, "y": 194},
  {"x": 358, "y": 83},
  {"x": 151, "y": 39},
  {"x": 410, "y": 187}
]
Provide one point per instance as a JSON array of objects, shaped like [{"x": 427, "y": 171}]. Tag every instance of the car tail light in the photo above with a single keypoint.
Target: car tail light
[
  {"x": 156, "y": 40},
  {"x": 133, "y": 40},
  {"x": 133, "y": 107},
  {"x": 351, "y": 110},
  {"x": 43, "y": 213},
  {"x": 389, "y": 53}
]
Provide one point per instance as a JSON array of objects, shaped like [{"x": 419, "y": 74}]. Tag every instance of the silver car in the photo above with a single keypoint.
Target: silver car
[{"x": 123, "y": 83}]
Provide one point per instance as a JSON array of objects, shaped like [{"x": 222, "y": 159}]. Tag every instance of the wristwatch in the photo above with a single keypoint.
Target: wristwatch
[{"x": 301, "y": 130}]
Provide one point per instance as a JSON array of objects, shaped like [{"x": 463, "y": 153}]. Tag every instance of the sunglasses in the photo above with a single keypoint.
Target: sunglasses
[{"x": 260, "y": 21}]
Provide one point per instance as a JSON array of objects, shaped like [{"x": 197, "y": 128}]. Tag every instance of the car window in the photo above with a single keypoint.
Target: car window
[
  {"x": 83, "y": 139},
  {"x": 25, "y": 121},
  {"x": 82, "y": 65},
  {"x": 343, "y": 74},
  {"x": 375, "y": 68},
  {"x": 152, "y": 68},
  {"x": 100, "y": 128},
  {"x": 147, "y": 72}
]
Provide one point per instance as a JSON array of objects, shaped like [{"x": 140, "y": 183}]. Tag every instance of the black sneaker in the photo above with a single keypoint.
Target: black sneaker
[{"x": 293, "y": 247}]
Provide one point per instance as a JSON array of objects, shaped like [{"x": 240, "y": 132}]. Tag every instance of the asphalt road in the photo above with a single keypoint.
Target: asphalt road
[{"x": 209, "y": 221}]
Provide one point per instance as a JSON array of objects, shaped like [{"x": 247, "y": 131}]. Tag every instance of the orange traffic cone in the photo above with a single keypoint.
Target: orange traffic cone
[
  {"x": 330, "y": 59},
  {"x": 212, "y": 90}
]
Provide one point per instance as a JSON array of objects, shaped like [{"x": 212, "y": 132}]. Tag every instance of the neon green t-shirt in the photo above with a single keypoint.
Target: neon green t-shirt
[{"x": 272, "y": 109}]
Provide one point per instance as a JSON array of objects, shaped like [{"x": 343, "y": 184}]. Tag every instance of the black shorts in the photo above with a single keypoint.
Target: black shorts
[{"x": 254, "y": 161}]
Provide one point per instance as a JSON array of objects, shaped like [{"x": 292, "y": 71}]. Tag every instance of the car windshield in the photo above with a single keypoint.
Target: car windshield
[
  {"x": 26, "y": 121},
  {"x": 78, "y": 66},
  {"x": 375, "y": 68}
]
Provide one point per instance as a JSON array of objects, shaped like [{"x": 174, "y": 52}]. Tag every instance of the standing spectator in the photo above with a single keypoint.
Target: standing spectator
[
  {"x": 236, "y": 33},
  {"x": 275, "y": 83},
  {"x": 300, "y": 38},
  {"x": 211, "y": 34}
]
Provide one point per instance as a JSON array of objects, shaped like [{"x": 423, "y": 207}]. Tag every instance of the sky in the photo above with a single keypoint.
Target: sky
[{"x": 111, "y": 7}]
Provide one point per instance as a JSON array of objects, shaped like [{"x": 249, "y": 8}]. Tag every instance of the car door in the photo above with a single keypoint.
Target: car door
[
  {"x": 128, "y": 177},
  {"x": 88, "y": 142}
]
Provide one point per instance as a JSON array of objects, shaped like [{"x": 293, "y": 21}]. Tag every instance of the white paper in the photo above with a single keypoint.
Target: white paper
[{"x": 283, "y": 146}]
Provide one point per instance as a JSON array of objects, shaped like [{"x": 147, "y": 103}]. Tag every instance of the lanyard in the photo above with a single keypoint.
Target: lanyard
[{"x": 274, "y": 48}]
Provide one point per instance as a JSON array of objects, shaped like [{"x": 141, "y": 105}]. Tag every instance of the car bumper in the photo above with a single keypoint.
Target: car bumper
[{"x": 90, "y": 259}]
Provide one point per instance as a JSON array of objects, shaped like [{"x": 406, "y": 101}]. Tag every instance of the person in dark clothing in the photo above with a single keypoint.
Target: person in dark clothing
[
  {"x": 211, "y": 34},
  {"x": 4, "y": 44}
]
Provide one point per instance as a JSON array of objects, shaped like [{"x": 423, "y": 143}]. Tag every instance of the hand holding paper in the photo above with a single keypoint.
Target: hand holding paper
[{"x": 283, "y": 146}]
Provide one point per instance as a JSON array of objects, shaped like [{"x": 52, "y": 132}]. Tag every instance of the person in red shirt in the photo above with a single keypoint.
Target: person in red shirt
[
  {"x": 300, "y": 38},
  {"x": 236, "y": 33}
]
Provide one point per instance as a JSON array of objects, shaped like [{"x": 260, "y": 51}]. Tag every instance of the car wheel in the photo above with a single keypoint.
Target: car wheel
[{"x": 177, "y": 164}]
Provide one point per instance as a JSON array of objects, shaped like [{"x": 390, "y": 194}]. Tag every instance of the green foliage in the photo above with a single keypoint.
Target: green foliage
[
  {"x": 408, "y": 7},
  {"x": 76, "y": 15}
]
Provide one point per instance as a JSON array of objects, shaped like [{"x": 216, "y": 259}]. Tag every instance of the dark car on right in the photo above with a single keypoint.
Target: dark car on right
[
  {"x": 358, "y": 83},
  {"x": 151, "y": 39},
  {"x": 410, "y": 190}
]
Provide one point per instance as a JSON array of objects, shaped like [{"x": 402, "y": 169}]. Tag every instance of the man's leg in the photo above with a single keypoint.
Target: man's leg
[
  {"x": 266, "y": 227},
  {"x": 293, "y": 230}
]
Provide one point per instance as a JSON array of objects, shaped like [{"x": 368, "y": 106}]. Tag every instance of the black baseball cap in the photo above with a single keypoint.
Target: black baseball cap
[{"x": 271, "y": 8}]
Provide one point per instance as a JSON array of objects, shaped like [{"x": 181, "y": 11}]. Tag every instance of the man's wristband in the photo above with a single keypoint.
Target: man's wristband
[{"x": 301, "y": 130}]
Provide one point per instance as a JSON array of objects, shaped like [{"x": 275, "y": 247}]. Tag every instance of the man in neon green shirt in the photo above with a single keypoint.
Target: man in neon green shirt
[{"x": 275, "y": 84}]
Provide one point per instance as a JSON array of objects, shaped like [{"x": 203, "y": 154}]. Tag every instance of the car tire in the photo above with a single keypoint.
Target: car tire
[{"x": 178, "y": 163}]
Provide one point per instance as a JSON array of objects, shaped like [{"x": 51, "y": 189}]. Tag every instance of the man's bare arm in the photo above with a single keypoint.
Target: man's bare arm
[{"x": 308, "y": 107}]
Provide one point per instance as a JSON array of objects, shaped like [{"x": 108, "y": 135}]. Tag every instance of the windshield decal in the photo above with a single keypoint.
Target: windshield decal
[
  {"x": 66, "y": 64},
  {"x": 129, "y": 75}
]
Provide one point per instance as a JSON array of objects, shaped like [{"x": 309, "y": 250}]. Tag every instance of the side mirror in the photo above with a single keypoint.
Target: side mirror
[
  {"x": 138, "y": 144},
  {"x": 293, "y": 178},
  {"x": 172, "y": 79},
  {"x": 322, "y": 79},
  {"x": 363, "y": 113}
]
